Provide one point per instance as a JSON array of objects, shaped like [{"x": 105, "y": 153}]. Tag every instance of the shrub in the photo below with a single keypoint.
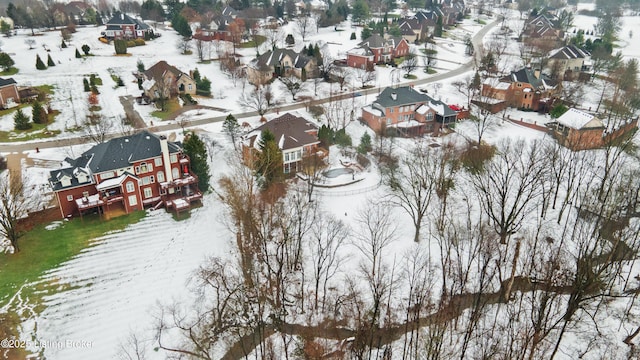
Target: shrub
[
  {"x": 86, "y": 49},
  {"x": 50, "y": 61},
  {"x": 139, "y": 42},
  {"x": 365, "y": 144},
  {"x": 353, "y": 36},
  {"x": 290, "y": 40},
  {"x": 87, "y": 87},
  {"x": 131, "y": 43},
  {"x": 120, "y": 46},
  {"x": 94, "y": 89},
  {"x": 78, "y": 56},
  {"x": 92, "y": 80},
  {"x": 120, "y": 82},
  {"x": 39, "y": 64},
  {"x": 64, "y": 44}
]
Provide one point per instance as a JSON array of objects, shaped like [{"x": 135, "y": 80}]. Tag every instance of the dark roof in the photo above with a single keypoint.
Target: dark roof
[
  {"x": 570, "y": 52},
  {"x": 376, "y": 41},
  {"x": 426, "y": 16},
  {"x": 405, "y": 95},
  {"x": 273, "y": 58},
  {"x": 291, "y": 131},
  {"x": 160, "y": 68},
  {"x": 410, "y": 24},
  {"x": 124, "y": 19},
  {"x": 114, "y": 154},
  {"x": 123, "y": 151},
  {"x": 527, "y": 75},
  {"x": 229, "y": 11},
  {"x": 7, "y": 82}
]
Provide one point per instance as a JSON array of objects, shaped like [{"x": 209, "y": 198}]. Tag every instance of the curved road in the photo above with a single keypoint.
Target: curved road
[{"x": 55, "y": 143}]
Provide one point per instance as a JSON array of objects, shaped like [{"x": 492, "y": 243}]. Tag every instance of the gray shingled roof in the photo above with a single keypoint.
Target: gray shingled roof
[
  {"x": 527, "y": 75},
  {"x": 5, "y": 82},
  {"x": 114, "y": 154},
  {"x": 570, "y": 52},
  {"x": 405, "y": 95},
  {"x": 124, "y": 19},
  {"x": 273, "y": 58}
]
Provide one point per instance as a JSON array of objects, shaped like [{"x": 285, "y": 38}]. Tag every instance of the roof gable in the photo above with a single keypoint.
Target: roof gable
[
  {"x": 290, "y": 131},
  {"x": 400, "y": 96}
]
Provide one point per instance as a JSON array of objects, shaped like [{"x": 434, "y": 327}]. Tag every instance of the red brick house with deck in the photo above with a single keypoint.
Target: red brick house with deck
[
  {"x": 376, "y": 49},
  {"x": 408, "y": 111},
  {"x": 296, "y": 136},
  {"x": 126, "y": 173},
  {"x": 524, "y": 89}
]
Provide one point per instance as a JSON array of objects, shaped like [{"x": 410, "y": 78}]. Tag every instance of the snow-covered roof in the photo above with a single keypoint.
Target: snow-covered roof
[
  {"x": 578, "y": 119},
  {"x": 111, "y": 183}
]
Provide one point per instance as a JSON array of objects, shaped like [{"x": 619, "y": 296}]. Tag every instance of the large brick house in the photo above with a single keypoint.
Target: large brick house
[
  {"x": 540, "y": 31},
  {"x": 408, "y": 111},
  {"x": 580, "y": 130},
  {"x": 376, "y": 49},
  {"x": 524, "y": 89},
  {"x": 126, "y": 174},
  {"x": 281, "y": 62},
  {"x": 122, "y": 26},
  {"x": 9, "y": 95},
  {"x": 296, "y": 136},
  {"x": 167, "y": 79}
]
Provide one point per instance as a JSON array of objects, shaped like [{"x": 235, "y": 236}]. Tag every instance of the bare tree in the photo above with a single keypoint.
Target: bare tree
[
  {"x": 274, "y": 37},
  {"x": 341, "y": 74},
  {"x": 184, "y": 45},
  {"x": 410, "y": 63},
  {"x": 365, "y": 76},
  {"x": 202, "y": 48},
  {"x": 429, "y": 58},
  {"x": 413, "y": 184},
  {"x": 259, "y": 99},
  {"x": 304, "y": 25},
  {"x": 326, "y": 65},
  {"x": 508, "y": 186},
  {"x": 293, "y": 85},
  {"x": 97, "y": 127},
  {"x": 13, "y": 206}
]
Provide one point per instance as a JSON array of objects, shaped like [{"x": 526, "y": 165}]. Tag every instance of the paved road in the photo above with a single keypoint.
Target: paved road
[{"x": 477, "y": 43}]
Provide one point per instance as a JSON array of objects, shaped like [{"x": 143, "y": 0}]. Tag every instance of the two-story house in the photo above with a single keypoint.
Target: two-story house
[
  {"x": 166, "y": 80},
  {"x": 408, "y": 111},
  {"x": 541, "y": 32},
  {"x": 296, "y": 136},
  {"x": 569, "y": 62},
  {"x": 524, "y": 89},
  {"x": 376, "y": 49},
  {"x": 9, "y": 95},
  {"x": 122, "y": 26},
  {"x": 126, "y": 174},
  {"x": 281, "y": 62}
]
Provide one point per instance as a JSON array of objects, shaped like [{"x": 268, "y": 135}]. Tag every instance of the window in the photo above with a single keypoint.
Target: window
[
  {"x": 391, "y": 110},
  {"x": 298, "y": 155},
  {"x": 429, "y": 116},
  {"x": 130, "y": 186},
  {"x": 137, "y": 170},
  {"x": 69, "y": 197},
  {"x": 147, "y": 193},
  {"x": 146, "y": 180},
  {"x": 173, "y": 158},
  {"x": 106, "y": 175},
  {"x": 158, "y": 161},
  {"x": 175, "y": 173},
  {"x": 190, "y": 87},
  {"x": 160, "y": 176},
  {"x": 388, "y": 121},
  {"x": 133, "y": 200},
  {"x": 286, "y": 157},
  {"x": 143, "y": 168}
]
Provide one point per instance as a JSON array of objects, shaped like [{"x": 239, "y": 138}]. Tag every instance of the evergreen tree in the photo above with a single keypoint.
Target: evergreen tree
[
  {"x": 6, "y": 62},
  {"x": 231, "y": 127},
  {"x": 195, "y": 148},
  {"x": 38, "y": 114},
  {"x": 78, "y": 56},
  {"x": 21, "y": 121},
  {"x": 269, "y": 160},
  {"x": 86, "y": 49},
  {"x": 87, "y": 87},
  {"x": 64, "y": 44},
  {"x": 39, "y": 64},
  {"x": 365, "y": 144},
  {"x": 50, "y": 61},
  {"x": 181, "y": 25},
  {"x": 140, "y": 66},
  {"x": 366, "y": 33}
]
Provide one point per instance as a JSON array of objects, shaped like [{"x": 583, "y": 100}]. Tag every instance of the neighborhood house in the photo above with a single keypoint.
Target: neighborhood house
[
  {"x": 122, "y": 26},
  {"x": 296, "y": 137},
  {"x": 126, "y": 174},
  {"x": 376, "y": 49},
  {"x": 410, "y": 112},
  {"x": 9, "y": 95},
  {"x": 167, "y": 81}
]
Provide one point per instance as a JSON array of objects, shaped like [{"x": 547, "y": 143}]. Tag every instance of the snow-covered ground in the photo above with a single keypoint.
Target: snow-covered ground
[{"x": 116, "y": 286}]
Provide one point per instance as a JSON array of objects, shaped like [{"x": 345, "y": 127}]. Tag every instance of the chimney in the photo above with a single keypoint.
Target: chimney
[
  {"x": 164, "y": 147},
  {"x": 394, "y": 96}
]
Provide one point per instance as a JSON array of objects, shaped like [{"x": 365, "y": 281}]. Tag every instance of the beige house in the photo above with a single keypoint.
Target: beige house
[
  {"x": 167, "y": 80},
  {"x": 569, "y": 61},
  {"x": 281, "y": 62}
]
